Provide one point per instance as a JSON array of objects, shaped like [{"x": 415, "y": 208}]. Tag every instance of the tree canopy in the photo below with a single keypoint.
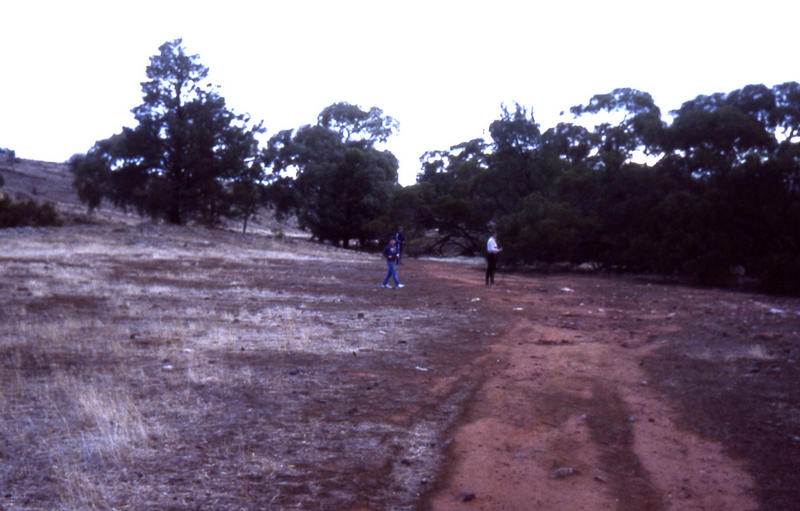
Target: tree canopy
[
  {"x": 716, "y": 189},
  {"x": 187, "y": 158},
  {"x": 342, "y": 182}
]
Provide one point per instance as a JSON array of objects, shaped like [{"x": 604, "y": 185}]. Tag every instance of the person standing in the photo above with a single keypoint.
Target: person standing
[
  {"x": 399, "y": 238},
  {"x": 492, "y": 249},
  {"x": 390, "y": 254}
]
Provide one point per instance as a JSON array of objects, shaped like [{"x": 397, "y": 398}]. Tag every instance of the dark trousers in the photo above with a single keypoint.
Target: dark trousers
[{"x": 491, "y": 267}]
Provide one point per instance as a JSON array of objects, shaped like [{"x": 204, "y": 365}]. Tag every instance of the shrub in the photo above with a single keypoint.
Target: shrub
[{"x": 26, "y": 213}]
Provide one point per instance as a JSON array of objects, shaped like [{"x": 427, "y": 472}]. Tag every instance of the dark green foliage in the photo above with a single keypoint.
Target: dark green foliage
[
  {"x": 26, "y": 213},
  {"x": 343, "y": 184},
  {"x": 352, "y": 123},
  {"x": 189, "y": 157},
  {"x": 91, "y": 177},
  {"x": 721, "y": 189}
]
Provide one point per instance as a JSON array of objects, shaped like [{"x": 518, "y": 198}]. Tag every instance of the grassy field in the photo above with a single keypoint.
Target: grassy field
[{"x": 150, "y": 367}]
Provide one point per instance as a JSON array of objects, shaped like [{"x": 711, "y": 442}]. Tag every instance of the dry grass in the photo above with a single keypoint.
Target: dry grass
[
  {"x": 139, "y": 351},
  {"x": 745, "y": 352},
  {"x": 112, "y": 424}
]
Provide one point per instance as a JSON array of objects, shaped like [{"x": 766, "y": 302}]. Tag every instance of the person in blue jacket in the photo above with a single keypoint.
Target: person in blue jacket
[
  {"x": 390, "y": 254},
  {"x": 399, "y": 237}
]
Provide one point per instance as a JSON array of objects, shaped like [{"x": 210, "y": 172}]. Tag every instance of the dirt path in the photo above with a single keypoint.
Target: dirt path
[{"x": 567, "y": 419}]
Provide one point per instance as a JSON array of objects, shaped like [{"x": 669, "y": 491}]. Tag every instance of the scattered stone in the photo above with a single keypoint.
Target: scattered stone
[
  {"x": 563, "y": 472},
  {"x": 361, "y": 315},
  {"x": 551, "y": 342},
  {"x": 466, "y": 496}
]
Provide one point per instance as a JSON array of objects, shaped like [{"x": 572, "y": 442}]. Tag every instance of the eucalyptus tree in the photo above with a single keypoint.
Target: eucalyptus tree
[{"x": 332, "y": 175}]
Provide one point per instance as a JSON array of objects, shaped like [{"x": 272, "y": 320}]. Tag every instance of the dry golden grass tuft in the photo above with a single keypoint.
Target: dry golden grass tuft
[
  {"x": 745, "y": 352},
  {"x": 112, "y": 424}
]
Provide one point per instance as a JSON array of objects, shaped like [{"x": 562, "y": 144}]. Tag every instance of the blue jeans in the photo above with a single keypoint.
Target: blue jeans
[{"x": 391, "y": 272}]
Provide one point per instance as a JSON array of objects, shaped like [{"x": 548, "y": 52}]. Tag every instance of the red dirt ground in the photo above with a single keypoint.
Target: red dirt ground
[{"x": 573, "y": 413}]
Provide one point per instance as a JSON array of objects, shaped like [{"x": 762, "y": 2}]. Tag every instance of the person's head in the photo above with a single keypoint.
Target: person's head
[{"x": 392, "y": 241}]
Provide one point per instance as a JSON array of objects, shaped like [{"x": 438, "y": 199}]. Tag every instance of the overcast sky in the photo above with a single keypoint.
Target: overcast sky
[{"x": 71, "y": 70}]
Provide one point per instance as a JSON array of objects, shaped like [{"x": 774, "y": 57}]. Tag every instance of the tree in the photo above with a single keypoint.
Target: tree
[
  {"x": 248, "y": 194},
  {"x": 641, "y": 129},
  {"x": 342, "y": 182},
  {"x": 185, "y": 154},
  {"x": 352, "y": 123},
  {"x": 91, "y": 177},
  {"x": 515, "y": 167}
]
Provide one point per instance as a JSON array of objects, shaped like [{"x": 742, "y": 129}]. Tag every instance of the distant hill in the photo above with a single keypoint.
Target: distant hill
[
  {"x": 45, "y": 181},
  {"x": 38, "y": 180}
]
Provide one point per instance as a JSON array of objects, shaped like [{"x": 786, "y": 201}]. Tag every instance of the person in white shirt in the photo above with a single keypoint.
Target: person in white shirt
[{"x": 492, "y": 249}]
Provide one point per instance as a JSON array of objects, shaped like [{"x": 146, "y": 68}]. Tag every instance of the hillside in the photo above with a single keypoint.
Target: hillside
[
  {"x": 45, "y": 181},
  {"x": 51, "y": 182}
]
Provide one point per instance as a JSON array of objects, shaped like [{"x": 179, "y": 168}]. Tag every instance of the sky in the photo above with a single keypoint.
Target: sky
[{"x": 72, "y": 70}]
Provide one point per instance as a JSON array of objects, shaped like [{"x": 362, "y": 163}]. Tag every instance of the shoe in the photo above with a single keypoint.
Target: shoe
[
  {"x": 401, "y": 285},
  {"x": 384, "y": 286}
]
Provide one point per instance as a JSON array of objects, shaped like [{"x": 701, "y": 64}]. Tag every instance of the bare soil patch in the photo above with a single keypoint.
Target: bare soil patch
[{"x": 153, "y": 367}]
